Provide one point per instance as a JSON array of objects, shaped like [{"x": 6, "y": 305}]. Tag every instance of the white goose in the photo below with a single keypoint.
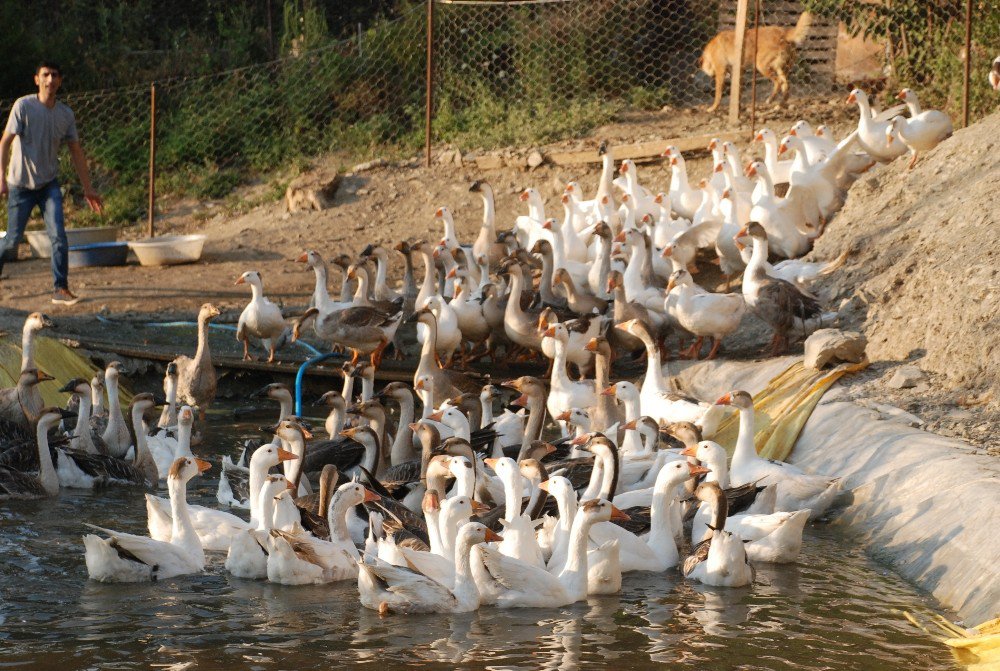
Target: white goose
[
  {"x": 249, "y": 549},
  {"x": 721, "y": 560},
  {"x": 706, "y": 315},
  {"x": 392, "y": 589},
  {"x": 796, "y": 489},
  {"x": 128, "y": 558},
  {"x": 871, "y": 129},
  {"x": 260, "y": 318},
  {"x": 923, "y": 131},
  {"x": 684, "y": 198},
  {"x": 528, "y": 228},
  {"x": 566, "y": 393},
  {"x": 512, "y": 583}
]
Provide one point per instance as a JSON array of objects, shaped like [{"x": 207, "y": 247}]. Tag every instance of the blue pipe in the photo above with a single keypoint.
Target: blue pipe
[
  {"x": 300, "y": 375},
  {"x": 225, "y": 327}
]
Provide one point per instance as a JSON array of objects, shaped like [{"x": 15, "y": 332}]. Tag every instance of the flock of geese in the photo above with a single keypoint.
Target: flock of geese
[{"x": 467, "y": 504}]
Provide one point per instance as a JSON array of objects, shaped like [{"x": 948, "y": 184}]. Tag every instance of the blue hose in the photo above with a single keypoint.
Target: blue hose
[
  {"x": 225, "y": 327},
  {"x": 300, "y": 375}
]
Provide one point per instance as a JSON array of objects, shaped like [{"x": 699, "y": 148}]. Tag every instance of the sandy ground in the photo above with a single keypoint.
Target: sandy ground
[{"x": 397, "y": 201}]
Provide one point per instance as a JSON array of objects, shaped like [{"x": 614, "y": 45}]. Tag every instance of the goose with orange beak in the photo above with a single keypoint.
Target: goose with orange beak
[
  {"x": 511, "y": 583},
  {"x": 391, "y": 589},
  {"x": 129, "y": 558},
  {"x": 260, "y": 319},
  {"x": 796, "y": 489}
]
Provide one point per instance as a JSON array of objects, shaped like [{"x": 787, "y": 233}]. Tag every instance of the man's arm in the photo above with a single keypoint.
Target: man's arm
[
  {"x": 80, "y": 165},
  {"x": 5, "y": 142}
]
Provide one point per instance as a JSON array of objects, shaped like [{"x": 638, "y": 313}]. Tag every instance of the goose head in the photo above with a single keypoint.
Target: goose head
[
  {"x": 353, "y": 493},
  {"x": 576, "y": 417},
  {"x": 276, "y": 391},
  {"x": 474, "y": 533},
  {"x": 686, "y": 432},
  {"x": 765, "y": 135},
  {"x": 558, "y": 486},
  {"x": 857, "y": 96},
  {"x": 557, "y": 331},
  {"x": 600, "y": 510},
  {"x": 600, "y": 345},
  {"x": 995, "y": 74},
  {"x": 451, "y": 417},
  {"x": 268, "y": 456},
  {"x": 76, "y": 386},
  {"x": 251, "y": 277},
  {"x": 679, "y": 278},
  {"x": 207, "y": 312},
  {"x": 49, "y": 417},
  {"x": 332, "y": 400},
  {"x": 185, "y": 468},
  {"x": 185, "y": 416},
  {"x": 311, "y": 258},
  {"x": 709, "y": 453},
  {"x": 676, "y": 472},
  {"x": 292, "y": 432},
  {"x": 37, "y": 321},
  {"x": 801, "y": 128},
  {"x": 738, "y": 399},
  {"x": 907, "y": 96}
]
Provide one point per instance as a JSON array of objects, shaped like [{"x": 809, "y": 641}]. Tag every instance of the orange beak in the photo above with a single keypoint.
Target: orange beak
[
  {"x": 617, "y": 514},
  {"x": 521, "y": 400},
  {"x": 565, "y": 198},
  {"x": 782, "y": 148},
  {"x": 439, "y": 213},
  {"x": 547, "y": 224},
  {"x": 698, "y": 470},
  {"x": 667, "y": 252},
  {"x": 900, "y": 96},
  {"x": 563, "y": 416},
  {"x": 620, "y": 237},
  {"x": 689, "y": 451},
  {"x": 610, "y": 391},
  {"x": 348, "y": 432},
  {"x": 852, "y": 98},
  {"x": 591, "y": 345},
  {"x": 306, "y": 434},
  {"x": 523, "y": 197},
  {"x": 629, "y": 426},
  {"x": 725, "y": 399},
  {"x": 419, "y": 386},
  {"x": 751, "y": 171},
  {"x": 624, "y": 167},
  {"x": 492, "y": 463},
  {"x": 549, "y": 448},
  {"x": 492, "y": 536},
  {"x": 544, "y": 486},
  {"x": 793, "y": 133},
  {"x": 673, "y": 161},
  {"x": 670, "y": 285},
  {"x": 353, "y": 275},
  {"x": 303, "y": 258},
  {"x": 202, "y": 465},
  {"x": 240, "y": 280},
  {"x": 550, "y": 332},
  {"x": 452, "y": 273},
  {"x": 759, "y": 138},
  {"x": 580, "y": 440},
  {"x": 371, "y": 496},
  {"x": 436, "y": 416},
  {"x": 285, "y": 455},
  {"x": 414, "y": 426}
]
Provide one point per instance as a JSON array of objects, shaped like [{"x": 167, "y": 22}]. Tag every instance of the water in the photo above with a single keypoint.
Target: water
[{"x": 836, "y": 609}]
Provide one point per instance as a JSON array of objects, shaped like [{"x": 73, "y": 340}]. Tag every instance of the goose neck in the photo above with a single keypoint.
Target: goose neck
[
  {"x": 143, "y": 459},
  {"x": 83, "y": 422},
  {"x": 47, "y": 475},
  {"x": 402, "y": 446},
  {"x": 465, "y": 590},
  {"x": 512, "y": 489},
  {"x": 745, "y": 450},
  {"x": 336, "y": 517},
  {"x": 183, "y": 533},
  {"x": 321, "y": 296},
  {"x": 574, "y": 576},
  {"x": 183, "y": 448},
  {"x": 28, "y": 347}
]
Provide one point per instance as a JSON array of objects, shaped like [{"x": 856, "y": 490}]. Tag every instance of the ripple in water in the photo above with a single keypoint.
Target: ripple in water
[{"x": 836, "y": 609}]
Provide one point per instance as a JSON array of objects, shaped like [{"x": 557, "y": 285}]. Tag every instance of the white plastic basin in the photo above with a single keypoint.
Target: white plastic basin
[{"x": 169, "y": 249}]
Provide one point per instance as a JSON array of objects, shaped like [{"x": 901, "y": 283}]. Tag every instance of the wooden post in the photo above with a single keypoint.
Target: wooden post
[
  {"x": 430, "y": 82},
  {"x": 734, "y": 90},
  {"x": 753, "y": 70},
  {"x": 152, "y": 158},
  {"x": 968, "y": 64}
]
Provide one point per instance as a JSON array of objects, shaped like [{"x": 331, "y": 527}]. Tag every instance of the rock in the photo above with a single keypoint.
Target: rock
[
  {"x": 906, "y": 377},
  {"x": 832, "y": 346},
  {"x": 314, "y": 191},
  {"x": 370, "y": 165},
  {"x": 535, "y": 159}
]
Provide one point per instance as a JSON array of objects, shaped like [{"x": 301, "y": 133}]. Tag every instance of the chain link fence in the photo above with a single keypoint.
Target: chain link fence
[{"x": 506, "y": 73}]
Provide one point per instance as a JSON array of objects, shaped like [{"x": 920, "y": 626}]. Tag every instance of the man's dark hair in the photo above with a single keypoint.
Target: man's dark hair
[{"x": 51, "y": 65}]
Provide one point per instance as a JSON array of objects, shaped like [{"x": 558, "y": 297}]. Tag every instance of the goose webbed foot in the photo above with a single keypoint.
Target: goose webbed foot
[
  {"x": 716, "y": 343},
  {"x": 694, "y": 350}
]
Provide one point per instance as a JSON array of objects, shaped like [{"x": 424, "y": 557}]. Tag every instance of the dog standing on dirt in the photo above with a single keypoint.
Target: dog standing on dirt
[{"x": 775, "y": 55}]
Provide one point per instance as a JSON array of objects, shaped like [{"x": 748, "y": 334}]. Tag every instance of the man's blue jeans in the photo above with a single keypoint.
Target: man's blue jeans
[{"x": 49, "y": 200}]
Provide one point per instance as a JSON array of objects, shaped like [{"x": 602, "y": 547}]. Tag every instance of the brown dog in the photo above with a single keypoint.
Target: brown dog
[{"x": 775, "y": 55}]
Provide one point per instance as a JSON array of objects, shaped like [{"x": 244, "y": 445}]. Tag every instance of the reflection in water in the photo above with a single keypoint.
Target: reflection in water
[{"x": 834, "y": 611}]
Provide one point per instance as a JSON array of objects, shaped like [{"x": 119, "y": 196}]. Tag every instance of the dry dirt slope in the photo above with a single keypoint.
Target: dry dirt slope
[{"x": 924, "y": 272}]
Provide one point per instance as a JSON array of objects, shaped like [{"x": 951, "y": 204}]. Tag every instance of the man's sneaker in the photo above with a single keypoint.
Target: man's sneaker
[{"x": 64, "y": 297}]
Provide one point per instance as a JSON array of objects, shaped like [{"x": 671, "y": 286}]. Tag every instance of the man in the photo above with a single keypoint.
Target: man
[{"x": 29, "y": 171}]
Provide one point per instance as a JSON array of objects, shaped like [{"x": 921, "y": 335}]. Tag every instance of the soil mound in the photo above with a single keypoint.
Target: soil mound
[{"x": 923, "y": 275}]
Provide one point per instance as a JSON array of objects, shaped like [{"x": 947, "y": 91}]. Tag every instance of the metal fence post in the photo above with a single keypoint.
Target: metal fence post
[
  {"x": 430, "y": 81},
  {"x": 734, "y": 90},
  {"x": 152, "y": 158},
  {"x": 968, "y": 64}
]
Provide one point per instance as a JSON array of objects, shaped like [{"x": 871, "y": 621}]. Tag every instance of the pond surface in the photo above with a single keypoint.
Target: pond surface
[{"x": 835, "y": 609}]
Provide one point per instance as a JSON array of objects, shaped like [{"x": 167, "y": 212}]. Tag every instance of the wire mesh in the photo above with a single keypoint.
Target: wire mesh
[{"x": 523, "y": 72}]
